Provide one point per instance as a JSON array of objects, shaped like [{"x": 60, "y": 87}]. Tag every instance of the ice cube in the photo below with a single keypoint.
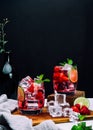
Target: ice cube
[
  {"x": 67, "y": 67},
  {"x": 73, "y": 117},
  {"x": 55, "y": 111},
  {"x": 67, "y": 112}
]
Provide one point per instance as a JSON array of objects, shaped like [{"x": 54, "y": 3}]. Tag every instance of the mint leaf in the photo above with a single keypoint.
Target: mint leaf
[
  {"x": 62, "y": 64},
  {"x": 46, "y": 80},
  {"x": 74, "y": 127},
  {"x": 69, "y": 61},
  {"x": 88, "y": 128},
  {"x": 40, "y": 76},
  {"x": 81, "y": 117},
  {"x": 81, "y": 126},
  {"x": 39, "y": 79}
]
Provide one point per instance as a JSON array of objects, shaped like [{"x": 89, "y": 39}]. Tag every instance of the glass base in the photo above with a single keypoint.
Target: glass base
[{"x": 31, "y": 112}]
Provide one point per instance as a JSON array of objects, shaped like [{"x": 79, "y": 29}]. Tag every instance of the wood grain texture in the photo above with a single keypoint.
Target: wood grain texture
[
  {"x": 37, "y": 119},
  {"x": 44, "y": 115}
]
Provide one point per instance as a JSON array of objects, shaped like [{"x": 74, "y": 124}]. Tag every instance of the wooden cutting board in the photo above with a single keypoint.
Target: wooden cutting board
[{"x": 37, "y": 119}]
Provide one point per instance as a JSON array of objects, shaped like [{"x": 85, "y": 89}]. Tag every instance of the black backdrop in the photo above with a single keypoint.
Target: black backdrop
[{"x": 42, "y": 33}]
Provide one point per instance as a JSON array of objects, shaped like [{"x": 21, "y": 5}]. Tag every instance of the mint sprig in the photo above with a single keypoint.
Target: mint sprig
[
  {"x": 40, "y": 79},
  {"x": 81, "y": 126},
  {"x": 69, "y": 61}
]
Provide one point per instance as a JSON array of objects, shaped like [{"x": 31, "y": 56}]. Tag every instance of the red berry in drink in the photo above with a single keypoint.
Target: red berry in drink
[
  {"x": 39, "y": 94},
  {"x": 31, "y": 88},
  {"x": 62, "y": 77},
  {"x": 56, "y": 75},
  {"x": 57, "y": 68}
]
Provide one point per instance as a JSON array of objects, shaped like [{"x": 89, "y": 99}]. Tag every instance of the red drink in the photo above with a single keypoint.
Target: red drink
[
  {"x": 31, "y": 96},
  {"x": 65, "y": 79}
]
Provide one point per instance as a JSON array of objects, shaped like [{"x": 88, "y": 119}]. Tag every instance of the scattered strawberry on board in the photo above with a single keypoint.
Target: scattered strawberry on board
[
  {"x": 83, "y": 110},
  {"x": 81, "y": 105}
]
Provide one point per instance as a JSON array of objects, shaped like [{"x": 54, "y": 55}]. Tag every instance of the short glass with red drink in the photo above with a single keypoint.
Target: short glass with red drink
[
  {"x": 65, "y": 78},
  {"x": 31, "y": 96}
]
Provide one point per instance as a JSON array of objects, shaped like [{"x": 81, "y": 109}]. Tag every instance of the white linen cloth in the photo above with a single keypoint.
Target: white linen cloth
[
  {"x": 6, "y": 104},
  {"x": 91, "y": 103},
  {"x": 17, "y": 122}
]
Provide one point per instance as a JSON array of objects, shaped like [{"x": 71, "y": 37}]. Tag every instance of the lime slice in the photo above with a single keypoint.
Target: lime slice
[
  {"x": 82, "y": 101},
  {"x": 21, "y": 95}
]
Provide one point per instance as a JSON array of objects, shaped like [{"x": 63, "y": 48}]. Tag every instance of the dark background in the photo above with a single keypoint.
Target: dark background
[{"x": 43, "y": 33}]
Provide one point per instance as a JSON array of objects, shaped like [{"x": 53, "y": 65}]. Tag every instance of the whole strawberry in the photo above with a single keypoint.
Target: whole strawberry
[
  {"x": 78, "y": 106},
  {"x": 84, "y": 110},
  {"x": 75, "y": 108}
]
